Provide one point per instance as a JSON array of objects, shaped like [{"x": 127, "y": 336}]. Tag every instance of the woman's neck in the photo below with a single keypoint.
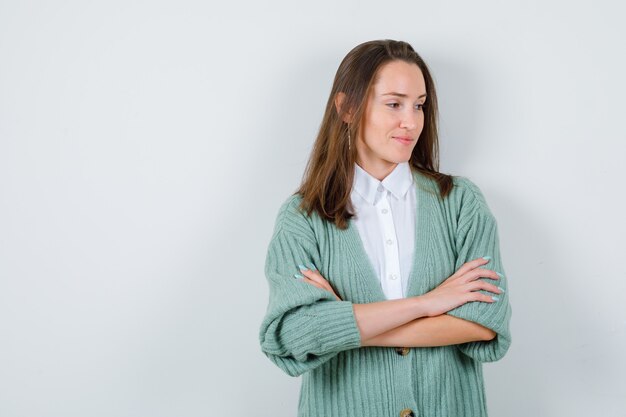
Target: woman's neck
[{"x": 379, "y": 170}]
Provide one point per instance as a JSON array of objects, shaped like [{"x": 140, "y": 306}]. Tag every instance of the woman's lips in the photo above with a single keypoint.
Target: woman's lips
[{"x": 403, "y": 139}]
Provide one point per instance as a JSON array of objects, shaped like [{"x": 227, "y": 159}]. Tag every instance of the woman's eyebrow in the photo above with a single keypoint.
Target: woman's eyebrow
[{"x": 393, "y": 93}]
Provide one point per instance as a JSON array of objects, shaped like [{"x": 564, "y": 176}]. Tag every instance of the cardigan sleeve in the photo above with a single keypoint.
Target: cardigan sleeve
[
  {"x": 304, "y": 326},
  {"x": 477, "y": 236}
]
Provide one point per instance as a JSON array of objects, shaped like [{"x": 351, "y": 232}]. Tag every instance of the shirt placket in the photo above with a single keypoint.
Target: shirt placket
[{"x": 391, "y": 282}]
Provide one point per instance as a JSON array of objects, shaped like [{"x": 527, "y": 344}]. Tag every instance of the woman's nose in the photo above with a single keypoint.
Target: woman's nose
[{"x": 410, "y": 120}]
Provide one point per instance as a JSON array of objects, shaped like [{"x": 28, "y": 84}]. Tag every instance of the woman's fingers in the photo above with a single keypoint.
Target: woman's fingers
[
  {"x": 463, "y": 286},
  {"x": 315, "y": 278},
  {"x": 467, "y": 267},
  {"x": 477, "y": 296},
  {"x": 315, "y": 284},
  {"x": 480, "y": 273},
  {"x": 482, "y": 285}
]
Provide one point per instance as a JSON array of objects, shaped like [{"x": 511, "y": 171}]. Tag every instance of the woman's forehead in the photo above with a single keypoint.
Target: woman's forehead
[{"x": 400, "y": 79}]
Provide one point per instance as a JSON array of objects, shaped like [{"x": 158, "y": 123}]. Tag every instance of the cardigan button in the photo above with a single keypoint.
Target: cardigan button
[
  {"x": 407, "y": 412},
  {"x": 402, "y": 351}
]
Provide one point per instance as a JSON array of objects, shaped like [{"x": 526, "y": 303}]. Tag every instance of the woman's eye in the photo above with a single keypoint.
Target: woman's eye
[
  {"x": 393, "y": 105},
  {"x": 420, "y": 107}
]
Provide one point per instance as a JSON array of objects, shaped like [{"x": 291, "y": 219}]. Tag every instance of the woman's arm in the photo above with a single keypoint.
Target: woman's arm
[
  {"x": 478, "y": 234},
  {"x": 304, "y": 326},
  {"x": 441, "y": 330},
  {"x": 375, "y": 319}
]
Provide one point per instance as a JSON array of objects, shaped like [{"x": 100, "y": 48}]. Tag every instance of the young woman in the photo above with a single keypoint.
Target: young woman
[{"x": 387, "y": 290}]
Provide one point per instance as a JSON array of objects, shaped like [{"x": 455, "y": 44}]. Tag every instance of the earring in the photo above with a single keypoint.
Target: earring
[{"x": 349, "y": 140}]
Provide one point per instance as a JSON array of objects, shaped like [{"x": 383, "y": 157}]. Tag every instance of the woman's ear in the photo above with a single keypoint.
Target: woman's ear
[{"x": 339, "y": 99}]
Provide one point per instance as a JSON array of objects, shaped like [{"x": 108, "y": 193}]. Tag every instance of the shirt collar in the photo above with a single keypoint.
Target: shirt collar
[{"x": 397, "y": 182}]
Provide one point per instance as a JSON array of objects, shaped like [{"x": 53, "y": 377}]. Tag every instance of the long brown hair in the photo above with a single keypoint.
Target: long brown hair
[{"x": 327, "y": 181}]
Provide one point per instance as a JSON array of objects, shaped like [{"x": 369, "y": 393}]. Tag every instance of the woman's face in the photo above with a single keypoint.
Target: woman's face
[{"x": 393, "y": 118}]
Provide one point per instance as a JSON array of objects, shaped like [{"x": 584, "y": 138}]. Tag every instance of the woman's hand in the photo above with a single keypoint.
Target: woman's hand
[
  {"x": 460, "y": 288},
  {"x": 313, "y": 277}
]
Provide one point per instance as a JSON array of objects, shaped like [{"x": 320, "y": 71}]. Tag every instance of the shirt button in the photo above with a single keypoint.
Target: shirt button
[
  {"x": 407, "y": 412},
  {"x": 392, "y": 277},
  {"x": 389, "y": 241},
  {"x": 384, "y": 211},
  {"x": 402, "y": 351},
  {"x": 380, "y": 188}
]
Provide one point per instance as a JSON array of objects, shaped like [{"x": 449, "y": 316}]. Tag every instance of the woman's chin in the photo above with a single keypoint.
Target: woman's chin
[{"x": 401, "y": 158}]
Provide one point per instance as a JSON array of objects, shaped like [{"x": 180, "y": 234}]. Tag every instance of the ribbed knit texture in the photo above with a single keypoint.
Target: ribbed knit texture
[{"x": 307, "y": 332}]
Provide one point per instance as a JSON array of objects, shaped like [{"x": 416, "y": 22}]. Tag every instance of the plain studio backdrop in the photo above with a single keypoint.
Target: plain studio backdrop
[{"x": 145, "y": 148}]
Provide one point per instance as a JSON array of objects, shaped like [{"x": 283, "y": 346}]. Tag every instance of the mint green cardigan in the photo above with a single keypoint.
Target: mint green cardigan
[{"x": 307, "y": 332}]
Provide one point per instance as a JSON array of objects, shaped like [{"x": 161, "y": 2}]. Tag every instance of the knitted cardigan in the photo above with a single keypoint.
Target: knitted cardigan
[{"x": 307, "y": 331}]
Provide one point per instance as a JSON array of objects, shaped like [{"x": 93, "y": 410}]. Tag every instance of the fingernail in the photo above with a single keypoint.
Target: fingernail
[
  {"x": 500, "y": 275},
  {"x": 312, "y": 267},
  {"x": 302, "y": 267},
  {"x": 487, "y": 258},
  {"x": 501, "y": 289},
  {"x": 494, "y": 298},
  {"x": 298, "y": 276}
]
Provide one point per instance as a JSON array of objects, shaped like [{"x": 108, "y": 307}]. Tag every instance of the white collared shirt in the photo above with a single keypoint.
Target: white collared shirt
[{"x": 385, "y": 218}]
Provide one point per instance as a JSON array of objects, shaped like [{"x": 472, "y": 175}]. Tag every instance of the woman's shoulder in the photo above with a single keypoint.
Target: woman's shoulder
[
  {"x": 292, "y": 217},
  {"x": 468, "y": 197},
  {"x": 462, "y": 186},
  {"x": 465, "y": 196},
  {"x": 291, "y": 205}
]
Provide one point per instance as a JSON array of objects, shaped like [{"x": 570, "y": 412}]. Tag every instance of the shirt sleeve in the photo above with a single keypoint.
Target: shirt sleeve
[
  {"x": 304, "y": 326},
  {"x": 477, "y": 236}
]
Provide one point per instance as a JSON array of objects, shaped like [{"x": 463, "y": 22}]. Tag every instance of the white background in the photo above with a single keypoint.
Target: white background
[{"x": 145, "y": 148}]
